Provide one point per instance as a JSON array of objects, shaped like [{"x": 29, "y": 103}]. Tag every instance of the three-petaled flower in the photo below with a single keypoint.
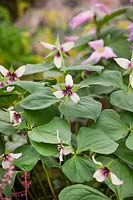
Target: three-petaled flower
[
  {"x": 68, "y": 90},
  {"x": 126, "y": 64},
  {"x": 8, "y": 158},
  {"x": 15, "y": 118},
  {"x": 103, "y": 172},
  {"x": 12, "y": 76},
  {"x": 101, "y": 51},
  {"x": 57, "y": 49},
  {"x": 63, "y": 150}
]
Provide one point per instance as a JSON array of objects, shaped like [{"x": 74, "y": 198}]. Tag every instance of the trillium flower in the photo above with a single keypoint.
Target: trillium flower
[
  {"x": 100, "y": 51},
  {"x": 81, "y": 18},
  {"x": 63, "y": 47},
  {"x": 68, "y": 91},
  {"x": 15, "y": 118},
  {"x": 63, "y": 150},
  {"x": 12, "y": 76},
  {"x": 103, "y": 172},
  {"x": 125, "y": 64},
  {"x": 8, "y": 158}
]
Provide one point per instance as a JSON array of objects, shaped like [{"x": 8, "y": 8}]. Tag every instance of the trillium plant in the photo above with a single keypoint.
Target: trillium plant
[{"x": 66, "y": 124}]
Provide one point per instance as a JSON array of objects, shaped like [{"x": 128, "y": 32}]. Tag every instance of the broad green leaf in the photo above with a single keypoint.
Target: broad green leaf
[
  {"x": 50, "y": 162},
  {"x": 122, "y": 99},
  {"x": 7, "y": 99},
  {"x": 124, "y": 153},
  {"x": 96, "y": 68},
  {"x": 39, "y": 100},
  {"x": 111, "y": 125},
  {"x": 95, "y": 141},
  {"x": 28, "y": 159},
  {"x": 124, "y": 173},
  {"x": 81, "y": 192},
  {"x": 45, "y": 149},
  {"x": 5, "y": 126},
  {"x": 79, "y": 169},
  {"x": 48, "y": 133},
  {"x": 36, "y": 68},
  {"x": 40, "y": 117},
  {"x": 30, "y": 86},
  {"x": 129, "y": 141},
  {"x": 107, "y": 78},
  {"x": 86, "y": 108},
  {"x": 127, "y": 117},
  {"x": 83, "y": 40}
]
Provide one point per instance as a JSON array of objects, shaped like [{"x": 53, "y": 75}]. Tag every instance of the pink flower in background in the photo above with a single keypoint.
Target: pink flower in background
[
  {"x": 101, "y": 7},
  {"x": 81, "y": 18},
  {"x": 68, "y": 91},
  {"x": 12, "y": 76},
  {"x": 130, "y": 39},
  {"x": 71, "y": 38},
  {"x": 64, "y": 48},
  {"x": 101, "y": 51},
  {"x": 125, "y": 64},
  {"x": 8, "y": 158},
  {"x": 103, "y": 172},
  {"x": 15, "y": 118},
  {"x": 63, "y": 150}
]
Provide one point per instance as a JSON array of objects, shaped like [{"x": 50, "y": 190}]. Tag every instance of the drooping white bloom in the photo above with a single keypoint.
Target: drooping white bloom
[
  {"x": 12, "y": 76},
  {"x": 63, "y": 150},
  {"x": 63, "y": 47},
  {"x": 68, "y": 91},
  {"x": 123, "y": 62},
  {"x": 15, "y": 118},
  {"x": 8, "y": 158},
  {"x": 103, "y": 172}
]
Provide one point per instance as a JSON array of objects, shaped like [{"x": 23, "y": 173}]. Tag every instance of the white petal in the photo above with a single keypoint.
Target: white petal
[
  {"x": 5, "y": 164},
  {"x": 75, "y": 97},
  {"x": 61, "y": 155},
  {"x": 58, "y": 61},
  {"x": 123, "y": 62},
  {"x": 59, "y": 94},
  {"x": 69, "y": 81},
  {"x": 67, "y": 150},
  {"x": 58, "y": 137},
  {"x": 99, "y": 176},
  {"x": 96, "y": 162},
  {"x": 131, "y": 79},
  {"x": 9, "y": 88},
  {"x": 67, "y": 46},
  {"x": 48, "y": 46},
  {"x": 20, "y": 71},
  {"x": 16, "y": 155},
  {"x": 12, "y": 116},
  {"x": 3, "y": 71},
  {"x": 115, "y": 180}
]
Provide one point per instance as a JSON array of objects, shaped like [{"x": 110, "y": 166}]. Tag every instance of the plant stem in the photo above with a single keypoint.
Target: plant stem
[
  {"x": 49, "y": 181},
  {"x": 40, "y": 182}
]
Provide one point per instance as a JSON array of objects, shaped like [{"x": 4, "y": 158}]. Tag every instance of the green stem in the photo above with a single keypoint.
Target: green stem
[
  {"x": 49, "y": 181},
  {"x": 40, "y": 182},
  {"x": 117, "y": 195}
]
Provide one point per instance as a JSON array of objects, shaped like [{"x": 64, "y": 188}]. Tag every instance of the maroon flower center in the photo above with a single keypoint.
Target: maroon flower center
[
  {"x": 105, "y": 171},
  {"x": 11, "y": 76},
  {"x": 67, "y": 91},
  {"x": 17, "y": 117}
]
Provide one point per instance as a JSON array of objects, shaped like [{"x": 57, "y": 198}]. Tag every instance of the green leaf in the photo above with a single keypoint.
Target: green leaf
[
  {"x": 79, "y": 169},
  {"x": 39, "y": 100},
  {"x": 86, "y": 108},
  {"x": 83, "y": 40},
  {"x": 129, "y": 141},
  {"x": 48, "y": 133},
  {"x": 122, "y": 99},
  {"x": 5, "y": 126},
  {"x": 107, "y": 78},
  {"x": 30, "y": 86},
  {"x": 124, "y": 173},
  {"x": 45, "y": 149},
  {"x": 111, "y": 125},
  {"x": 95, "y": 141},
  {"x": 40, "y": 117},
  {"x": 28, "y": 159},
  {"x": 37, "y": 68},
  {"x": 124, "y": 153},
  {"x": 96, "y": 68},
  {"x": 81, "y": 192}
]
